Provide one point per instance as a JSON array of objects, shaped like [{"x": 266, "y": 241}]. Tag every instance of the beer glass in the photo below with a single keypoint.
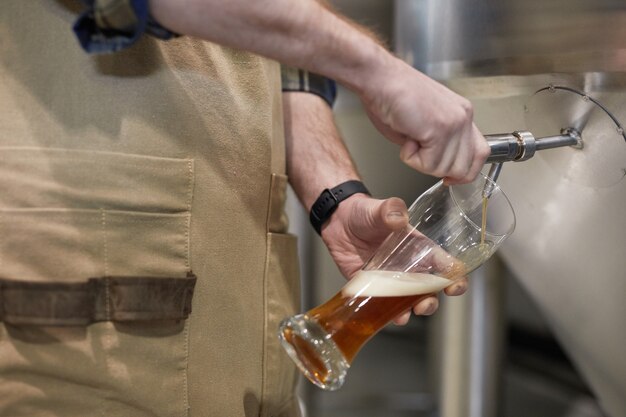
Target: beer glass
[{"x": 452, "y": 230}]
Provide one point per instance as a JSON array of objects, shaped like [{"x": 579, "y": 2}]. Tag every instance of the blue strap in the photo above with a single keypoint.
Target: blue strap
[{"x": 95, "y": 39}]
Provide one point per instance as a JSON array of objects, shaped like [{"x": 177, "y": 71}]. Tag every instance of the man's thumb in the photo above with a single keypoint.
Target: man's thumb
[
  {"x": 377, "y": 218},
  {"x": 393, "y": 213}
]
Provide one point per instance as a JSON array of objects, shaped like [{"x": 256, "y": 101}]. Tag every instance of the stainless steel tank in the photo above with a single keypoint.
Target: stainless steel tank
[{"x": 545, "y": 66}]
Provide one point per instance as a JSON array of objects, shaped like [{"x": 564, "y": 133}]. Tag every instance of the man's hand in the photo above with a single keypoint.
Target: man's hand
[
  {"x": 432, "y": 125},
  {"x": 358, "y": 227}
]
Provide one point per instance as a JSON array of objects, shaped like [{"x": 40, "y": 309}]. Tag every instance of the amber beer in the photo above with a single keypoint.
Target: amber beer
[
  {"x": 365, "y": 305},
  {"x": 444, "y": 241}
]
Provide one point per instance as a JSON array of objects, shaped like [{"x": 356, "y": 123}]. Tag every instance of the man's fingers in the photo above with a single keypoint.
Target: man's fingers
[
  {"x": 458, "y": 288},
  {"x": 403, "y": 318},
  {"x": 430, "y": 304},
  {"x": 481, "y": 153},
  {"x": 410, "y": 155},
  {"x": 427, "y": 306}
]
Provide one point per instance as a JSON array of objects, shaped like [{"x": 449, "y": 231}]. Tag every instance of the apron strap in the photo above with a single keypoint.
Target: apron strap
[{"x": 117, "y": 299}]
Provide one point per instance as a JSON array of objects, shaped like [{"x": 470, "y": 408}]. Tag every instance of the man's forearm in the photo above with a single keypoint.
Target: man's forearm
[
  {"x": 303, "y": 34},
  {"x": 432, "y": 125},
  {"x": 316, "y": 156}
]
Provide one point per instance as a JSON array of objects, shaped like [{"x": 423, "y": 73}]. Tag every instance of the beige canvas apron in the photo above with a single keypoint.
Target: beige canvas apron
[{"x": 157, "y": 160}]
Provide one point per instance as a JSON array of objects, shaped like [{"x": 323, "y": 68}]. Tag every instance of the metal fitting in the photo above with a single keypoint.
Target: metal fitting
[
  {"x": 522, "y": 145},
  {"x": 527, "y": 145}
]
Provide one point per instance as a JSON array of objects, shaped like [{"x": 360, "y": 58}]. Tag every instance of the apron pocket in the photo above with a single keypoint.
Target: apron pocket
[
  {"x": 75, "y": 244},
  {"x": 282, "y": 299},
  {"x": 66, "y": 216},
  {"x": 78, "y": 179}
]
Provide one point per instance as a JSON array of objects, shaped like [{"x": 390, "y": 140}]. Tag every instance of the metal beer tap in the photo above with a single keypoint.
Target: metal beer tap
[{"x": 521, "y": 146}]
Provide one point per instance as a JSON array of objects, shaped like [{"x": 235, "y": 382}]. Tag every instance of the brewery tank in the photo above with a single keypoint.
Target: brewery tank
[{"x": 543, "y": 66}]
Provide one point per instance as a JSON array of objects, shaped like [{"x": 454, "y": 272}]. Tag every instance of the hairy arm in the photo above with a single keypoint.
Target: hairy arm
[
  {"x": 303, "y": 34},
  {"x": 432, "y": 125}
]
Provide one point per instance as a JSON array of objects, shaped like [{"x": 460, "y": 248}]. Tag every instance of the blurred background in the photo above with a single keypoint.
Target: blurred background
[{"x": 534, "y": 336}]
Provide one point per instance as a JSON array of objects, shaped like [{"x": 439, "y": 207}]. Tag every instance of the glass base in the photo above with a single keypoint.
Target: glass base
[{"x": 314, "y": 351}]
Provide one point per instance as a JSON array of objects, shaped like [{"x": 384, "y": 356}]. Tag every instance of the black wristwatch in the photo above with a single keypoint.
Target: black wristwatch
[{"x": 329, "y": 200}]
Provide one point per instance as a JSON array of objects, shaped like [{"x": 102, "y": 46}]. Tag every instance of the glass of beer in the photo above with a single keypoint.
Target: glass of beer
[{"x": 452, "y": 230}]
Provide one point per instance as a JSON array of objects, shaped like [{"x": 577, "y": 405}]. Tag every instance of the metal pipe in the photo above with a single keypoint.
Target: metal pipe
[
  {"x": 470, "y": 346},
  {"x": 550, "y": 142},
  {"x": 569, "y": 137},
  {"x": 488, "y": 323},
  {"x": 522, "y": 145}
]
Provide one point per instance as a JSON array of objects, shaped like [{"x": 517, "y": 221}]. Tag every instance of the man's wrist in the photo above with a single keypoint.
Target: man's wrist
[
  {"x": 385, "y": 80},
  {"x": 330, "y": 199},
  {"x": 337, "y": 222},
  {"x": 370, "y": 63}
]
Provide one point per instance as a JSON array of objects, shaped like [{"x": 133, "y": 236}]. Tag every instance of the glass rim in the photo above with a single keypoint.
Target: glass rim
[{"x": 501, "y": 192}]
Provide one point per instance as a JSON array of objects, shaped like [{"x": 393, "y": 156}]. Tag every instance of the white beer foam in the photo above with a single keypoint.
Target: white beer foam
[{"x": 376, "y": 283}]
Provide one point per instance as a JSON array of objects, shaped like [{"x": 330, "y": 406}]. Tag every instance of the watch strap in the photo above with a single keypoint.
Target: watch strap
[{"x": 329, "y": 200}]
